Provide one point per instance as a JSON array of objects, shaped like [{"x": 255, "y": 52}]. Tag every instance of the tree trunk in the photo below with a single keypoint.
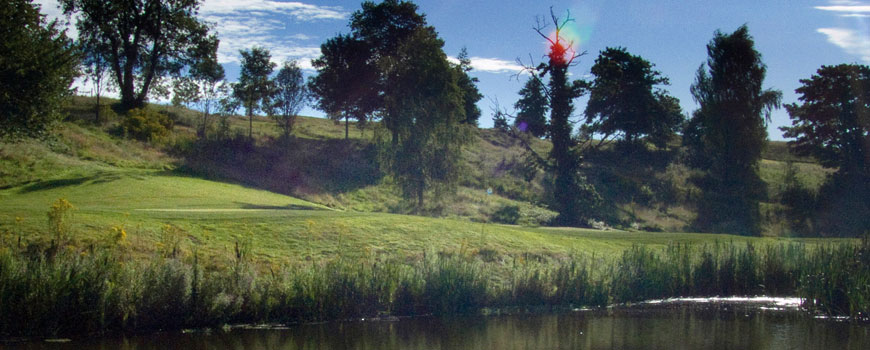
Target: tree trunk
[
  {"x": 98, "y": 107},
  {"x": 346, "y": 128}
]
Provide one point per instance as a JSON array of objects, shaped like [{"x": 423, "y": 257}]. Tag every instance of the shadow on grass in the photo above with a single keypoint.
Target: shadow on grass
[
  {"x": 58, "y": 183},
  {"x": 278, "y": 207},
  {"x": 294, "y": 166}
]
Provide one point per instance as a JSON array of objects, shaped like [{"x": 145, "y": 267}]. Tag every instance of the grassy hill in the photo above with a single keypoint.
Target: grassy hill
[{"x": 318, "y": 194}]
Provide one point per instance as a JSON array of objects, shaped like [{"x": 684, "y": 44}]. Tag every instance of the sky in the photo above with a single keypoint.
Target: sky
[{"x": 794, "y": 37}]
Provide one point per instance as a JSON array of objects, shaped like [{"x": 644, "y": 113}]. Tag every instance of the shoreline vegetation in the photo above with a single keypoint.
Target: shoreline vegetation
[{"x": 59, "y": 290}]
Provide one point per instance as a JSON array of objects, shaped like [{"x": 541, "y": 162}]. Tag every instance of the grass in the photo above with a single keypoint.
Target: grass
[
  {"x": 66, "y": 292},
  {"x": 213, "y": 216}
]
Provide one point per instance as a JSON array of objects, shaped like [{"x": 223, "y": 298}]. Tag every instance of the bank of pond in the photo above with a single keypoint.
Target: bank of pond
[{"x": 65, "y": 292}]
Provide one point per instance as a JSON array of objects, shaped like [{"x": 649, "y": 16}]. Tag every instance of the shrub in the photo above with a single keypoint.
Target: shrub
[
  {"x": 535, "y": 216},
  {"x": 507, "y": 214},
  {"x": 59, "y": 217},
  {"x": 146, "y": 124}
]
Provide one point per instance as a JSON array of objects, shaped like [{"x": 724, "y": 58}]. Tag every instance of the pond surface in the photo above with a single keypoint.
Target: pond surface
[{"x": 686, "y": 324}]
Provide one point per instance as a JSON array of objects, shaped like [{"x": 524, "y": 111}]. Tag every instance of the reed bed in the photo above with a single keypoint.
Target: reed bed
[{"x": 66, "y": 291}]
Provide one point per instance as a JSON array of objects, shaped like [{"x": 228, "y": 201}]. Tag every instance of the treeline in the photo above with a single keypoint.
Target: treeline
[
  {"x": 391, "y": 68},
  {"x": 631, "y": 114}
]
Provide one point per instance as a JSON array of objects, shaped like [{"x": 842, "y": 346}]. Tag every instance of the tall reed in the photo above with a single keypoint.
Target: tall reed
[{"x": 69, "y": 291}]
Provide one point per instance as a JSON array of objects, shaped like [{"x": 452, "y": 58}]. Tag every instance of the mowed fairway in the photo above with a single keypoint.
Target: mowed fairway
[{"x": 213, "y": 216}]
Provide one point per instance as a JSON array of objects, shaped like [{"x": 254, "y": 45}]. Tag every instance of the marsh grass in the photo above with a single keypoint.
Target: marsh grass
[{"x": 98, "y": 290}]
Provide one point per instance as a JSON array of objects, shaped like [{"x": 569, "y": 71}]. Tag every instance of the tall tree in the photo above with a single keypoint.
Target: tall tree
[
  {"x": 208, "y": 75},
  {"x": 144, "y": 40},
  {"x": 532, "y": 108},
  {"x": 573, "y": 198},
  {"x": 426, "y": 107},
  {"x": 95, "y": 68},
  {"x": 624, "y": 98},
  {"x": 468, "y": 87},
  {"x": 291, "y": 94},
  {"x": 203, "y": 85},
  {"x": 392, "y": 66},
  {"x": 726, "y": 135},
  {"x": 254, "y": 89},
  {"x": 346, "y": 81},
  {"x": 37, "y": 66},
  {"x": 832, "y": 124}
]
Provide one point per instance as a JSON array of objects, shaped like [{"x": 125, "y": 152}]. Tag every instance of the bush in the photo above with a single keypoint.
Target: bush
[
  {"x": 536, "y": 216},
  {"x": 507, "y": 214},
  {"x": 146, "y": 124}
]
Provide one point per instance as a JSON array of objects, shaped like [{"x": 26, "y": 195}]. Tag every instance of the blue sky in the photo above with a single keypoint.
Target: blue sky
[{"x": 795, "y": 37}]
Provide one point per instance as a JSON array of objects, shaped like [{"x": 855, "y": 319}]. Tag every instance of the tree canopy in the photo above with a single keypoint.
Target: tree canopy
[
  {"x": 143, "y": 40},
  {"x": 291, "y": 95},
  {"x": 346, "y": 81},
  {"x": 532, "y": 108},
  {"x": 832, "y": 124},
  {"x": 37, "y": 66},
  {"x": 392, "y": 66},
  {"x": 255, "y": 88},
  {"x": 726, "y": 135},
  {"x": 468, "y": 87},
  {"x": 426, "y": 108},
  {"x": 624, "y": 98}
]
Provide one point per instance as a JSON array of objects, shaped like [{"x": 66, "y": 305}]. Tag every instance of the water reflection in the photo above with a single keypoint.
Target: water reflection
[{"x": 715, "y": 326}]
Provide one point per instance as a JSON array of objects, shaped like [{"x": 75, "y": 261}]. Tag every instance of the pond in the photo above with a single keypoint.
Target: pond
[{"x": 673, "y": 324}]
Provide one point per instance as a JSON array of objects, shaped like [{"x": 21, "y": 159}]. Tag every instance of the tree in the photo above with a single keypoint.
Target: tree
[
  {"x": 392, "y": 66},
  {"x": 573, "y": 198},
  {"x": 204, "y": 84},
  {"x": 470, "y": 93},
  {"x": 349, "y": 82},
  {"x": 254, "y": 88},
  {"x": 726, "y": 135},
  {"x": 208, "y": 75},
  {"x": 291, "y": 94},
  {"x": 95, "y": 68},
  {"x": 832, "y": 124},
  {"x": 144, "y": 40},
  {"x": 37, "y": 66},
  {"x": 624, "y": 98},
  {"x": 345, "y": 84},
  {"x": 532, "y": 108},
  {"x": 425, "y": 105}
]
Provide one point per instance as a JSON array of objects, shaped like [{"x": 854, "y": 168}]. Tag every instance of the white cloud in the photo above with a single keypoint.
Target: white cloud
[
  {"x": 854, "y": 40},
  {"x": 491, "y": 65},
  {"x": 495, "y": 65},
  {"x": 851, "y": 41},
  {"x": 243, "y": 24},
  {"x": 845, "y": 8},
  {"x": 300, "y": 11}
]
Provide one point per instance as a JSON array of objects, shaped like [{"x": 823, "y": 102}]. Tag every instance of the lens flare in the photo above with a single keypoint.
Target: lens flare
[{"x": 572, "y": 35}]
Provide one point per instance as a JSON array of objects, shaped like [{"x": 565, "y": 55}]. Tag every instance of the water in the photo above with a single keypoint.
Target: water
[{"x": 688, "y": 324}]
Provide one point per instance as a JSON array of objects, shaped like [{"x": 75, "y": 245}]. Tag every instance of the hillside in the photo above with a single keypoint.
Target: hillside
[{"x": 647, "y": 191}]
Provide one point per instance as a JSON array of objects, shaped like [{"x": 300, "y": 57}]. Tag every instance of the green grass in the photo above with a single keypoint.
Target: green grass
[
  {"x": 115, "y": 182},
  {"x": 215, "y": 215}
]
